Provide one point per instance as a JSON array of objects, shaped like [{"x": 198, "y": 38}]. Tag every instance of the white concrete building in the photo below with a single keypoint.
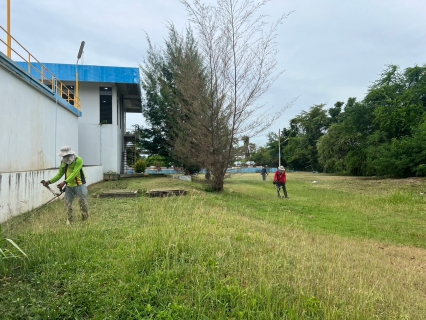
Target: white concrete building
[
  {"x": 106, "y": 95},
  {"x": 36, "y": 121}
]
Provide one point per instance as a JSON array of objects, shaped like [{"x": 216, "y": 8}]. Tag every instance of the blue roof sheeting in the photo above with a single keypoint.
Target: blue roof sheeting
[{"x": 86, "y": 73}]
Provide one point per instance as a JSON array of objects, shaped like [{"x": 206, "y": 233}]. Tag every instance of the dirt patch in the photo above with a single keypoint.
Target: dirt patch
[{"x": 406, "y": 258}]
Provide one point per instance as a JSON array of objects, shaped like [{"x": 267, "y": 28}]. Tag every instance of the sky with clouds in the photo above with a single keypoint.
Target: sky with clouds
[{"x": 330, "y": 49}]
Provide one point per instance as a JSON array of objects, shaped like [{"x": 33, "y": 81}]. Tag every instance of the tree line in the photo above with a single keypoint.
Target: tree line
[{"x": 382, "y": 135}]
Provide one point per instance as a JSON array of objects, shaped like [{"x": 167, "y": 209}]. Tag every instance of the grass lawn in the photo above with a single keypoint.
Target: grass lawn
[{"x": 340, "y": 248}]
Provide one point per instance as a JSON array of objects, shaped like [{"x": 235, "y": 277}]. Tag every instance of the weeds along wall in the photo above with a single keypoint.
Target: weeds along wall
[{"x": 34, "y": 123}]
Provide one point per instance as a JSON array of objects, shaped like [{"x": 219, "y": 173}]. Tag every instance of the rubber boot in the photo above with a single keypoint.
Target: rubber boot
[
  {"x": 68, "y": 207},
  {"x": 84, "y": 207}
]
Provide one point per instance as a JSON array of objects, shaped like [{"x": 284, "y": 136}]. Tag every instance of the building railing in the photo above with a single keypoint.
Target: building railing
[{"x": 43, "y": 74}]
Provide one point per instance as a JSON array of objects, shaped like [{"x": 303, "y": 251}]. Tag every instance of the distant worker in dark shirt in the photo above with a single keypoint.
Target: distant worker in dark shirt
[{"x": 264, "y": 172}]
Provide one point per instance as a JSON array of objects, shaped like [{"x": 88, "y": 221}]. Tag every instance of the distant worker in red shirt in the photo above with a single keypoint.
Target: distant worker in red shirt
[{"x": 280, "y": 179}]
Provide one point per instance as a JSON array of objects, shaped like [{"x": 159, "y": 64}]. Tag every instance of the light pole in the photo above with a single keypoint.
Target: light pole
[
  {"x": 80, "y": 52},
  {"x": 279, "y": 149}
]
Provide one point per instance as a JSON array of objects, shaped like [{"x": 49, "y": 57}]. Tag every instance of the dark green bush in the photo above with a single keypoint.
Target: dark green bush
[
  {"x": 421, "y": 170},
  {"x": 140, "y": 166}
]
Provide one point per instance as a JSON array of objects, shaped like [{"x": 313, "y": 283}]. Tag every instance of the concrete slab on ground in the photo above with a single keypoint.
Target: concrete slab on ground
[
  {"x": 166, "y": 192},
  {"x": 122, "y": 193},
  {"x": 134, "y": 175}
]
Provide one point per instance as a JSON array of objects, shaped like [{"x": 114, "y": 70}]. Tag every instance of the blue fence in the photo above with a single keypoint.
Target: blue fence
[{"x": 230, "y": 170}]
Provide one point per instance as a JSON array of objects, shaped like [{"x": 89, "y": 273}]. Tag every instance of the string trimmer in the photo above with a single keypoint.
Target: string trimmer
[{"x": 56, "y": 194}]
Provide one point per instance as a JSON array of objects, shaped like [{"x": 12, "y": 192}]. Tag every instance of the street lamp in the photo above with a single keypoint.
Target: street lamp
[
  {"x": 80, "y": 52},
  {"x": 279, "y": 149}
]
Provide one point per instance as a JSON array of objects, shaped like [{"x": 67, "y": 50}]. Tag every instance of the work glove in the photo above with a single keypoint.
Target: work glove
[{"x": 46, "y": 183}]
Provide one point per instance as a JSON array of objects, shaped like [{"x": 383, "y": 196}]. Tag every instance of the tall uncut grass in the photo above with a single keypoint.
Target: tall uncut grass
[{"x": 341, "y": 248}]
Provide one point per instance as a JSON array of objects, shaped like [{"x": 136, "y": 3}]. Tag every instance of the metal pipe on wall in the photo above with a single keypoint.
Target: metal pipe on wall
[{"x": 9, "y": 38}]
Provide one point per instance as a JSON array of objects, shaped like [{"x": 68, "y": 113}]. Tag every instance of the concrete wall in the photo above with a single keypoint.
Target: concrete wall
[
  {"x": 33, "y": 126},
  {"x": 88, "y": 126},
  {"x": 22, "y": 191},
  {"x": 34, "y": 123}
]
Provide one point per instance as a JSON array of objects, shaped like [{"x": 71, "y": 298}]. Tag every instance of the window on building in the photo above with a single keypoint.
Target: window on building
[
  {"x": 105, "y": 109},
  {"x": 118, "y": 113}
]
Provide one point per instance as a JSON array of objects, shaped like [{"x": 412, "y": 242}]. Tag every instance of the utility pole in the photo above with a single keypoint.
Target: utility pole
[{"x": 279, "y": 149}]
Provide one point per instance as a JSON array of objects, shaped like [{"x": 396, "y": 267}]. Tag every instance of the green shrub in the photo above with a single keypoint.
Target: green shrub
[
  {"x": 157, "y": 159},
  {"x": 421, "y": 170},
  {"x": 140, "y": 166}
]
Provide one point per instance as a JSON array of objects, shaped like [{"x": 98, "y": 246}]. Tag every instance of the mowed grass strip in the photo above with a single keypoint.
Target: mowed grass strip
[
  {"x": 244, "y": 254},
  {"x": 388, "y": 210}
]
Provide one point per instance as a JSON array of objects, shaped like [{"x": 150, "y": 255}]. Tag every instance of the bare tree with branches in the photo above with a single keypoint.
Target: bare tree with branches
[{"x": 238, "y": 49}]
